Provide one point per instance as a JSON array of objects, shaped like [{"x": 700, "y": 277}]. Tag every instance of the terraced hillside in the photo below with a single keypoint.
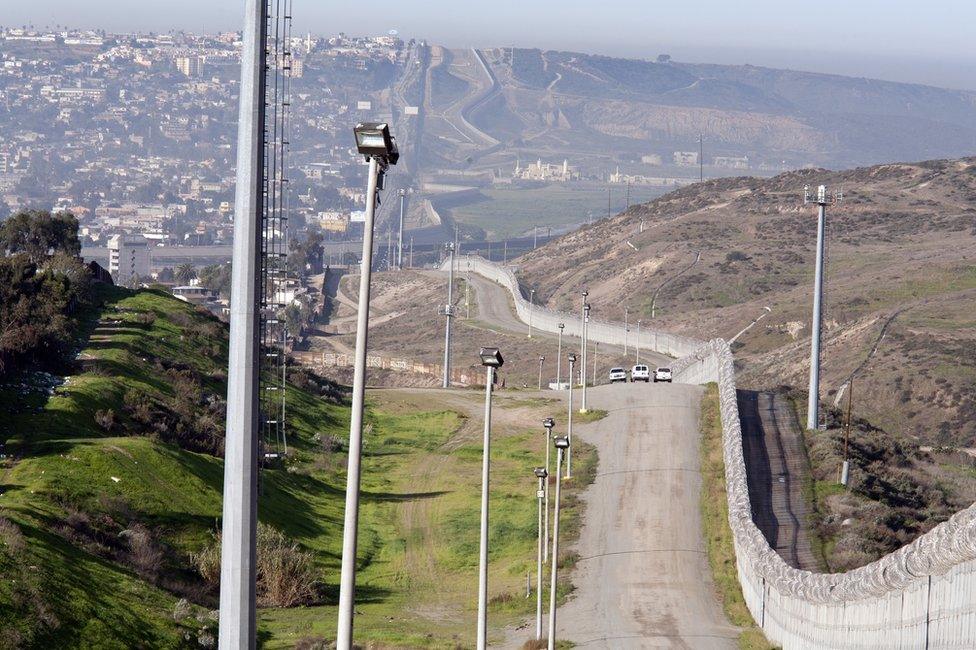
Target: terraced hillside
[{"x": 110, "y": 498}]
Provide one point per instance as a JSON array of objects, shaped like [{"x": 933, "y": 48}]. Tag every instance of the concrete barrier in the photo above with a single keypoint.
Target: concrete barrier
[
  {"x": 548, "y": 320},
  {"x": 921, "y": 596}
]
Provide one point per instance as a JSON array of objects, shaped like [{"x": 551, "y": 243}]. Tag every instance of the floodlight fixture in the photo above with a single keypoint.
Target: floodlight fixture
[
  {"x": 491, "y": 357},
  {"x": 562, "y": 442},
  {"x": 541, "y": 472},
  {"x": 549, "y": 423},
  {"x": 572, "y": 358},
  {"x": 373, "y": 140}
]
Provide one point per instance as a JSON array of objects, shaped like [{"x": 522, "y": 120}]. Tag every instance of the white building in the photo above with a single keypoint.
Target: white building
[{"x": 128, "y": 257}]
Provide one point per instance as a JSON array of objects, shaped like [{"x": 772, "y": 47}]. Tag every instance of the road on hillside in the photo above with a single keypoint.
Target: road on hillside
[
  {"x": 776, "y": 460},
  {"x": 495, "y": 307},
  {"x": 642, "y": 580}
]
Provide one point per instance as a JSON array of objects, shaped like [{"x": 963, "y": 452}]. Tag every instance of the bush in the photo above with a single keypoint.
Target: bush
[
  {"x": 286, "y": 575},
  {"x": 105, "y": 419},
  {"x": 144, "y": 553}
]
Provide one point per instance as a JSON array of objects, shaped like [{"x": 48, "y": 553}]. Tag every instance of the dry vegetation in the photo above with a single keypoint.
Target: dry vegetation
[{"x": 901, "y": 248}]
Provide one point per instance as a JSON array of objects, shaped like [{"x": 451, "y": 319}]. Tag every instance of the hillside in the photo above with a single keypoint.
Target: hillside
[
  {"x": 110, "y": 497},
  {"x": 901, "y": 247},
  {"x": 899, "y": 299},
  {"x": 600, "y": 111}
]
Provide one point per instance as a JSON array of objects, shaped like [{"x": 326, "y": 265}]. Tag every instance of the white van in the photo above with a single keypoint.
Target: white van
[
  {"x": 640, "y": 372},
  {"x": 662, "y": 374}
]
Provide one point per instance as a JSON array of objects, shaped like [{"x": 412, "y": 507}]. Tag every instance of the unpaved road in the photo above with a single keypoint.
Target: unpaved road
[
  {"x": 643, "y": 579},
  {"x": 496, "y": 309}
]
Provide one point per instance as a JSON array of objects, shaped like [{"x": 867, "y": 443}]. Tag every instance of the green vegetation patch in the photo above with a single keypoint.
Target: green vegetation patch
[{"x": 715, "y": 521}]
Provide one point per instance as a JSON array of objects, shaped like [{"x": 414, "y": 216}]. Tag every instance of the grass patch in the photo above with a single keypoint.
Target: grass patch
[
  {"x": 513, "y": 212},
  {"x": 715, "y": 521}
]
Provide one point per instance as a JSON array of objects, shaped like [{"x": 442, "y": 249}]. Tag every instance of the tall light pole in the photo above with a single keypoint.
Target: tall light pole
[
  {"x": 378, "y": 146},
  {"x": 548, "y": 423},
  {"x": 448, "y": 312},
  {"x": 542, "y": 360},
  {"x": 584, "y": 293},
  {"x": 491, "y": 358},
  {"x": 569, "y": 417},
  {"x": 543, "y": 475},
  {"x": 562, "y": 444},
  {"x": 238, "y": 628},
  {"x": 559, "y": 356},
  {"x": 626, "y": 328},
  {"x": 822, "y": 199},
  {"x": 586, "y": 326},
  {"x": 403, "y": 194},
  {"x": 637, "y": 356}
]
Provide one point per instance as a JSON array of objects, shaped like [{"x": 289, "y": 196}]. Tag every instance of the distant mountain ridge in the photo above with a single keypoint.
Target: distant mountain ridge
[{"x": 775, "y": 117}]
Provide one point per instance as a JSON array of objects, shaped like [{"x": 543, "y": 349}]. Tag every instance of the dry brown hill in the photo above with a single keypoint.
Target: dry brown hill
[{"x": 901, "y": 279}]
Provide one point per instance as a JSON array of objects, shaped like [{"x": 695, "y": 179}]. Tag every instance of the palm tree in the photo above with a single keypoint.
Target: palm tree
[{"x": 185, "y": 272}]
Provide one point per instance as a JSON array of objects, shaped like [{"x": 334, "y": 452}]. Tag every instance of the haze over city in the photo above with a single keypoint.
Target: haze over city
[{"x": 899, "y": 40}]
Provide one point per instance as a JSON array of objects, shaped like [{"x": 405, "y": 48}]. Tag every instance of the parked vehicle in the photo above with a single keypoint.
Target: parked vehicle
[
  {"x": 662, "y": 374},
  {"x": 640, "y": 372},
  {"x": 618, "y": 374}
]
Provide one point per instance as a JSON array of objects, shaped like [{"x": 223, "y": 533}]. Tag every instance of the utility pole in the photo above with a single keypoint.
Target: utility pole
[
  {"x": 562, "y": 444},
  {"x": 559, "y": 356},
  {"x": 238, "y": 554},
  {"x": 542, "y": 361},
  {"x": 701, "y": 159},
  {"x": 543, "y": 475},
  {"x": 609, "y": 195},
  {"x": 569, "y": 413},
  {"x": 505, "y": 252},
  {"x": 411, "y": 252},
  {"x": 448, "y": 314},
  {"x": 491, "y": 358},
  {"x": 822, "y": 199},
  {"x": 378, "y": 163},
  {"x": 628, "y": 195},
  {"x": 403, "y": 194},
  {"x": 535, "y": 237},
  {"x": 845, "y": 470},
  {"x": 626, "y": 328},
  {"x": 548, "y": 423},
  {"x": 586, "y": 327},
  {"x": 389, "y": 249}
]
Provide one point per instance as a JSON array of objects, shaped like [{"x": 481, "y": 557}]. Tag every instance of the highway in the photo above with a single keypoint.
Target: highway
[{"x": 642, "y": 580}]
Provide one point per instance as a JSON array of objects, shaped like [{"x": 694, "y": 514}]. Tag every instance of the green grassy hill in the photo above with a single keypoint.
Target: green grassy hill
[{"x": 112, "y": 484}]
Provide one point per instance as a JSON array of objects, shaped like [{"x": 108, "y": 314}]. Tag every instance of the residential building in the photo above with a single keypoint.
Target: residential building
[{"x": 128, "y": 258}]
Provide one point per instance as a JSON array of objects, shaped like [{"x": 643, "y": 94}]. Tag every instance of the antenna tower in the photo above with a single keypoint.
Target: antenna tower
[{"x": 274, "y": 225}]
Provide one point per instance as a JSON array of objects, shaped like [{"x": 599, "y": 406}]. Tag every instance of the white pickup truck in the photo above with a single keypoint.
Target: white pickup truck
[
  {"x": 640, "y": 372},
  {"x": 662, "y": 374},
  {"x": 618, "y": 374}
]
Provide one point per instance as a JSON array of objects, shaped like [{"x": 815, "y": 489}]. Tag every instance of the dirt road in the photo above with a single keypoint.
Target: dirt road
[
  {"x": 496, "y": 309},
  {"x": 643, "y": 579}
]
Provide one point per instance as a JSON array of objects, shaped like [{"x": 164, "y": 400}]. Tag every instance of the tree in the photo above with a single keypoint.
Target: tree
[
  {"x": 39, "y": 233},
  {"x": 216, "y": 277},
  {"x": 185, "y": 273}
]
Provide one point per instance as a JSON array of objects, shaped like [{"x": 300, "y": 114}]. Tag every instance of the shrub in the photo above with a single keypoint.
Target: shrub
[
  {"x": 105, "y": 419},
  {"x": 144, "y": 553},
  {"x": 286, "y": 576}
]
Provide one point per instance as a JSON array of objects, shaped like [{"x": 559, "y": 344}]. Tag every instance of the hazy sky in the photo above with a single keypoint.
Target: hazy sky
[{"x": 895, "y": 39}]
